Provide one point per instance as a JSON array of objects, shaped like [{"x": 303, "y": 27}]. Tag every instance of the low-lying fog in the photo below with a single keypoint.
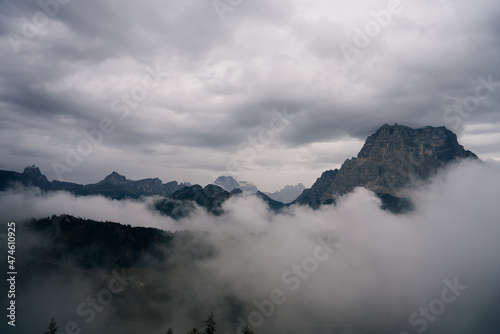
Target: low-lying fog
[{"x": 434, "y": 270}]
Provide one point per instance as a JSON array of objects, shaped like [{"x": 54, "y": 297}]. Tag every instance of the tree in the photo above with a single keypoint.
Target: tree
[
  {"x": 194, "y": 331},
  {"x": 52, "y": 327},
  {"x": 170, "y": 330},
  {"x": 247, "y": 330},
  {"x": 210, "y": 324}
]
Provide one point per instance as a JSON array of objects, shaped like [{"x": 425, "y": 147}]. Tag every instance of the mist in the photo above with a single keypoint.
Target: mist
[{"x": 349, "y": 268}]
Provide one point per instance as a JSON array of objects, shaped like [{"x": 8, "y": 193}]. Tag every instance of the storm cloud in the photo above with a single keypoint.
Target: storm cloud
[{"x": 65, "y": 63}]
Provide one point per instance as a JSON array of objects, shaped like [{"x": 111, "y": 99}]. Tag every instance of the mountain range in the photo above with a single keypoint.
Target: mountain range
[
  {"x": 114, "y": 185},
  {"x": 286, "y": 195},
  {"x": 392, "y": 160}
]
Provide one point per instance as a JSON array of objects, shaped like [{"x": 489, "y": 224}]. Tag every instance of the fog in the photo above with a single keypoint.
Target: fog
[{"x": 352, "y": 268}]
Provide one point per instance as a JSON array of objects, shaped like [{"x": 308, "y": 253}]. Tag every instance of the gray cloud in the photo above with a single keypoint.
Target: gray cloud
[{"x": 223, "y": 78}]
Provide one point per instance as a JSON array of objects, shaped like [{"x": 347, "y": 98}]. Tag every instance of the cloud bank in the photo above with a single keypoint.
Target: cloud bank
[{"x": 347, "y": 269}]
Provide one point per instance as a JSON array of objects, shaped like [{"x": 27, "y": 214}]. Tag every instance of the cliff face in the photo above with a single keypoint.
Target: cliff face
[{"x": 390, "y": 160}]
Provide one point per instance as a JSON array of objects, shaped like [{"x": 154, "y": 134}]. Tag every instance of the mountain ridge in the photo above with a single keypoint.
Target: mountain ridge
[
  {"x": 391, "y": 160},
  {"x": 288, "y": 194},
  {"x": 114, "y": 185}
]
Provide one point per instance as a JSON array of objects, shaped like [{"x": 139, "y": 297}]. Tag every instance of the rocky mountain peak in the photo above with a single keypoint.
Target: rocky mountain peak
[
  {"x": 229, "y": 184},
  {"x": 434, "y": 142},
  {"x": 33, "y": 177},
  {"x": 392, "y": 158},
  {"x": 288, "y": 194},
  {"x": 115, "y": 178},
  {"x": 32, "y": 170}
]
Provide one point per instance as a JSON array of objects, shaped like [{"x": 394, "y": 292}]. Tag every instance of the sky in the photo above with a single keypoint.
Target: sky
[{"x": 272, "y": 92}]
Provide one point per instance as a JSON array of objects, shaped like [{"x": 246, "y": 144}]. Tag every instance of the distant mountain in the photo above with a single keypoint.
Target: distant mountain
[
  {"x": 211, "y": 198},
  {"x": 229, "y": 184},
  {"x": 115, "y": 186},
  {"x": 287, "y": 194},
  {"x": 392, "y": 159},
  {"x": 178, "y": 199},
  {"x": 181, "y": 203},
  {"x": 273, "y": 205},
  {"x": 31, "y": 176}
]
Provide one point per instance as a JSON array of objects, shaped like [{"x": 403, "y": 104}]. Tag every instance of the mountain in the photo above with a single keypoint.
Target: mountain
[
  {"x": 229, "y": 184},
  {"x": 391, "y": 160},
  {"x": 31, "y": 176},
  {"x": 146, "y": 187},
  {"x": 115, "y": 186},
  {"x": 287, "y": 194},
  {"x": 181, "y": 203},
  {"x": 273, "y": 205},
  {"x": 312, "y": 196}
]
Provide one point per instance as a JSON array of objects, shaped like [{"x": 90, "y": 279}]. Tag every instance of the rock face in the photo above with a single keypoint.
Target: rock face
[
  {"x": 391, "y": 159},
  {"x": 287, "y": 194}
]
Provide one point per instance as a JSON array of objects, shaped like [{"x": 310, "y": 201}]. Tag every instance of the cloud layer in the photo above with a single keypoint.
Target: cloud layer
[{"x": 434, "y": 270}]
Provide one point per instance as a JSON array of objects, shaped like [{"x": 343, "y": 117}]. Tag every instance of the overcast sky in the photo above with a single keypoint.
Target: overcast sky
[{"x": 271, "y": 91}]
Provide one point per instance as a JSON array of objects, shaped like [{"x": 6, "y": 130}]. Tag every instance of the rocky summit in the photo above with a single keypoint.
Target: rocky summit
[{"x": 392, "y": 159}]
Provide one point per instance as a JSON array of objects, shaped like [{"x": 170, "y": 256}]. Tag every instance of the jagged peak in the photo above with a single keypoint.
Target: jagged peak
[
  {"x": 401, "y": 137},
  {"x": 32, "y": 170},
  {"x": 115, "y": 178},
  {"x": 329, "y": 172}
]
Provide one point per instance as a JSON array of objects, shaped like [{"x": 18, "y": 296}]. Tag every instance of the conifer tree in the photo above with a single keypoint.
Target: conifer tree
[
  {"x": 210, "y": 324},
  {"x": 194, "y": 331},
  {"x": 52, "y": 327},
  {"x": 170, "y": 330}
]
